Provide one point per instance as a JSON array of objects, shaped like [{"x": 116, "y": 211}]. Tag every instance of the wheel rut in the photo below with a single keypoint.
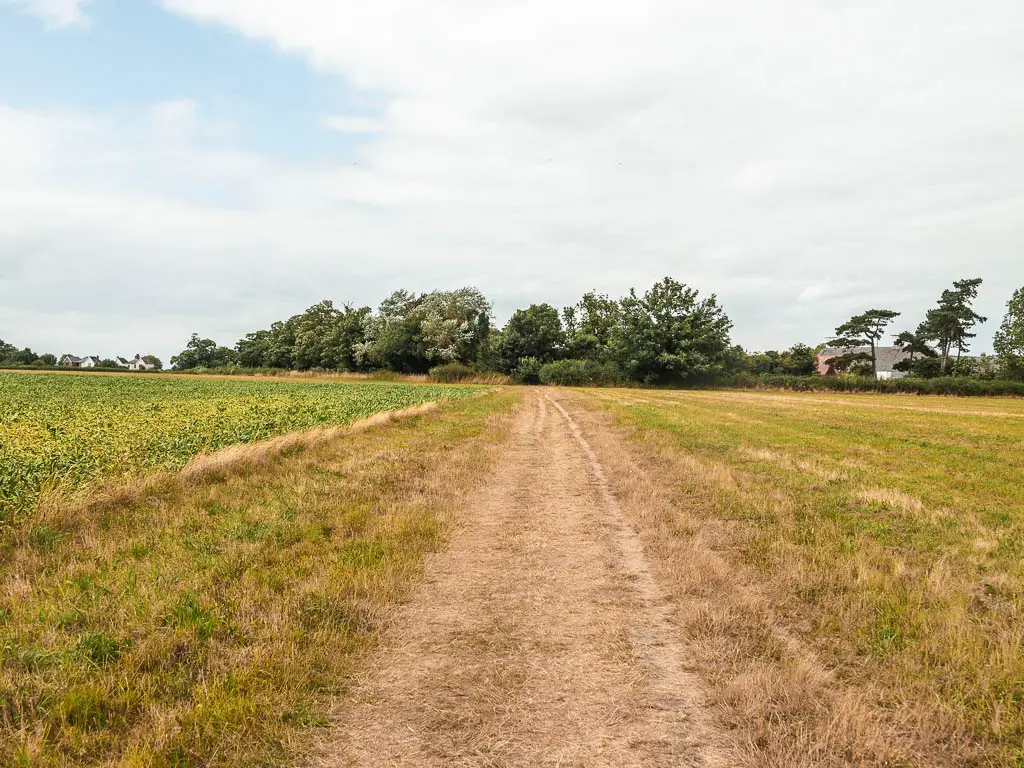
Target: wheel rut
[{"x": 539, "y": 636}]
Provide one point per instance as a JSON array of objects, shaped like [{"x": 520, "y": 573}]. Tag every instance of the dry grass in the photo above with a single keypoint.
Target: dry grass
[
  {"x": 214, "y": 618},
  {"x": 248, "y": 456},
  {"x": 849, "y": 578},
  {"x": 539, "y": 637}
]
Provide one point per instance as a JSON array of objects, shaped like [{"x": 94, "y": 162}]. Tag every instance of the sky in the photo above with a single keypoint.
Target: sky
[{"x": 215, "y": 165}]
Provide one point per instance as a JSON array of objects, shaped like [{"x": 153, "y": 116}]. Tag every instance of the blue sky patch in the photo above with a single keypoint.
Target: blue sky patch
[{"x": 134, "y": 54}]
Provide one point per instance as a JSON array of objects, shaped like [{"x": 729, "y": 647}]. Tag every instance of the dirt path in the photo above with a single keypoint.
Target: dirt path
[{"x": 539, "y": 637}]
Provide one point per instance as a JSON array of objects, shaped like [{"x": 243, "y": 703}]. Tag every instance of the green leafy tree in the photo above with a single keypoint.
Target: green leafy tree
[
  {"x": 7, "y": 352},
  {"x": 852, "y": 361},
  {"x": 324, "y": 336},
  {"x": 253, "y": 349},
  {"x": 453, "y": 324},
  {"x": 1009, "y": 339},
  {"x": 671, "y": 334},
  {"x": 800, "y": 360},
  {"x": 349, "y": 332},
  {"x": 949, "y": 324},
  {"x": 156, "y": 362},
  {"x": 25, "y": 356},
  {"x": 534, "y": 332},
  {"x": 863, "y": 330},
  {"x": 391, "y": 338},
  {"x": 915, "y": 344},
  {"x": 203, "y": 353},
  {"x": 590, "y": 326},
  {"x": 108, "y": 363},
  {"x": 314, "y": 337},
  {"x": 528, "y": 370},
  {"x": 281, "y": 346},
  {"x": 488, "y": 356},
  {"x": 413, "y": 333},
  {"x": 48, "y": 359},
  {"x": 983, "y": 368}
]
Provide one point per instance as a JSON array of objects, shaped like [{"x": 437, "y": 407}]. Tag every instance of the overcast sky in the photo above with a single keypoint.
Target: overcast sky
[{"x": 215, "y": 165}]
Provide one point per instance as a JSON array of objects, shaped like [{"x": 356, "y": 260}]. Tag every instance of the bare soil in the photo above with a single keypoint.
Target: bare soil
[{"x": 539, "y": 636}]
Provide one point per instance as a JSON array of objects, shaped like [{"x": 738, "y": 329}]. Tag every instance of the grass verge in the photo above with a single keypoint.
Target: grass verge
[
  {"x": 215, "y": 617},
  {"x": 849, "y": 569}
]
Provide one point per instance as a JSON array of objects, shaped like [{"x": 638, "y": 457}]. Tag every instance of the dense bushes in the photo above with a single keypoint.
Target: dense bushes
[
  {"x": 528, "y": 370},
  {"x": 580, "y": 373},
  {"x": 451, "y": 373},
  {"x": 947, "y": 385}
]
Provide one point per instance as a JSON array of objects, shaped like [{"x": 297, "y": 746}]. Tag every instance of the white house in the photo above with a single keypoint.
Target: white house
[
  {"x": 92, "y": 361},
  {"x": 138, "y": 364},
  {"x": 70, "y": 361}
]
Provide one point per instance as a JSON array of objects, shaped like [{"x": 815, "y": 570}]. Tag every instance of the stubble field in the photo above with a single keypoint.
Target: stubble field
[{"x": 855, "y": 566}]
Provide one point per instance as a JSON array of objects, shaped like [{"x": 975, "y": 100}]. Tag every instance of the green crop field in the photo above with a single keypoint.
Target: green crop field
[{"x": 69, "y": 431}]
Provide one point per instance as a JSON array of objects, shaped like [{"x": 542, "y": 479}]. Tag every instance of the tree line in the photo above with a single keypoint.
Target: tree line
[
  {"x": 667, "y": 334},
  {"x": 10, "y": 355},
  {"x": 936, "y": 346}
]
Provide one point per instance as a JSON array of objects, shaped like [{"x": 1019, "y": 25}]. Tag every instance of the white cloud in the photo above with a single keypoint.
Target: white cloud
[
  {"x": 175, "y": 119},
  {"x": 801, "y": 159},
  {"x": 58, "y": 13},
  {"x": 354, "y": 124}
]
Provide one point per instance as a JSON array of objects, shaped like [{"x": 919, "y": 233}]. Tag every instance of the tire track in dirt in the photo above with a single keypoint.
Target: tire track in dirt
[{"x": 539, "y": 637}]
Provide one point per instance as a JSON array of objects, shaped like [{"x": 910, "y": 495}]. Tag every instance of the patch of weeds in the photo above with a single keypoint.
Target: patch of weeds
[
  {"x": 1010, "y": 547},
  {"x": 810, "y": 594},
  {"x": 201, "y": 543},
  {"x": 87, "y": 585},
  {"x": 85, "y": 707},
  {"x": 189, "y": 613},
  {"x": 287, "y": 535},
  {"x": 45, "y": 537},
  {"x": 215, "y": 509},
  {"x": 271, "y": 580},
  {"x": 363, "y": 554},
  {"x": 247, "y": 531},
  {"x": 887, "y": 632},
  {"x": 32, "y": 657},
  {"x": 318, "y": 532},
  {"x": 101, "y": 649},
  {"x": 759, "y": 554},
  {"x": 138, "y": 549},
  {"x": 69, "y": 619},
  {"x": 318, "y": 610},
  {"x": 304, "y": 718}
]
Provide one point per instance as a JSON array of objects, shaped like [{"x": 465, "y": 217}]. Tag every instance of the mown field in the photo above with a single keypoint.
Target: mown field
[
  {"x": 213, "y": 618},
  {"x": 68, "y": 432},
  {"x": 884, "y": 534}
]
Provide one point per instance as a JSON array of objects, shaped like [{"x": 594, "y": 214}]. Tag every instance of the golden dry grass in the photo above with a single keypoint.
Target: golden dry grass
[
  {"x": 538, "y": 638},
  {"x": 848, "y": 574}
]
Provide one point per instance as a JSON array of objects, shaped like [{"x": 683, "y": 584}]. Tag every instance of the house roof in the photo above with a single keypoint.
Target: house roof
[
  {"x": 72, "y": 358},
  {"x": 885, "y": 357}
]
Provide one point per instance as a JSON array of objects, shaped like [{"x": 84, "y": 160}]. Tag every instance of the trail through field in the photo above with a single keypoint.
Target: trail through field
[{"x": 539, "y": 636}]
